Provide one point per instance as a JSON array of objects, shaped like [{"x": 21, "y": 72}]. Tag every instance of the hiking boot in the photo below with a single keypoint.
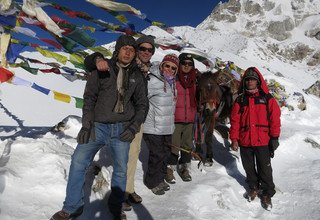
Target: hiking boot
[
  {"x": 266, "y": 202},
  {"x": 208, "y": 162},
  {"x": 134, "y": 198},
  {"x": 63, "y": 215},
  {"x": 169, "y": 176},
  {"x": 184, "y": 172},
  {"x": 158, "y": 190},
  {"x": 252, "y": 194},
  {"x": 126, "y": 206},
  {"x": 121, "y": 216},
  {"x": 165, "y": 186}
]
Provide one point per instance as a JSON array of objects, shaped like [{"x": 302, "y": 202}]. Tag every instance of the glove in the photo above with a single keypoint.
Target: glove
[
  {"x": 83, "y": 135},
  {"x": 129, "y": 133},
  {"x": 273, "y": 145}
]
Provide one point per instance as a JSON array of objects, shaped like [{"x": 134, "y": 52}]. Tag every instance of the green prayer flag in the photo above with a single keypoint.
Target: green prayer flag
[{"x": 79, "y": 102}]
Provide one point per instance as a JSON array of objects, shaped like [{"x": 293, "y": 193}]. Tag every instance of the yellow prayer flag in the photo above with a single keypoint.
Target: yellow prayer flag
[
  {"x": 158, "y": 24},
  {"x": 61, "y": 97},
  {"x": 92, "y": 29},
  {"x": 122, "y": 18},
  {"x": 76, "y": 58},
  {"x": 56, "y": 56}
]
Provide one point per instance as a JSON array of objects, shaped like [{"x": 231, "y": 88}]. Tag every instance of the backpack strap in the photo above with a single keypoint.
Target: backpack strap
[{"x": 264, "y": 98}]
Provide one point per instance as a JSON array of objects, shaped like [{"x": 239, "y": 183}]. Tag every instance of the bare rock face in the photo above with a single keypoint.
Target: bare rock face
[
  {"x": 227, "y": 11},
  {"x": 302, "y": 105},
  {"x": 280, "y": 30},
  {"x": 314, "y": 60},
  {"x": 314, "y": 89},
  {"x": 253, "y": 9},
  {"x": 314, "y": 32},
  {"x": 313, "y": 143},
  {"x": 317, "y": 36},
  {"x": 268, "y": 6}
]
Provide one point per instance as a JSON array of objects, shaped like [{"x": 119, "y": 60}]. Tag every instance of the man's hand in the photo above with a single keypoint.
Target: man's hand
[
  {"x": 129, "y": 133},
  {"x": 235, "y": 145},
  {"x": 273, "y": 145},
  {"x": 83, "y": 136},
  {"x": 102, "y": 64}
]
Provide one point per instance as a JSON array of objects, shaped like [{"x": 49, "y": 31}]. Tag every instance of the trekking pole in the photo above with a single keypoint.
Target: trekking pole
[{"x": 194, "y": 154}]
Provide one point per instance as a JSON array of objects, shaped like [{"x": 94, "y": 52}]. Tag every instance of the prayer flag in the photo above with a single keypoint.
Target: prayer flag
[{"x": 61, "y": 97}]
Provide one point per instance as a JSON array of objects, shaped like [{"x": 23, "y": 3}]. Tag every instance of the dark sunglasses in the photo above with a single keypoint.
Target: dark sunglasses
[
  {"x": 142, "y": 48},
  {"x": 186, "y": 63},
  {"x": 171, "y": 67}
]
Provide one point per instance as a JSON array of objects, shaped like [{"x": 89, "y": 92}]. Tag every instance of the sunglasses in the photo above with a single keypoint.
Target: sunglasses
[
  {"x": 171, "y": 67},
  {"x": 186, "y": 63},
  {"x": 142, "y": 48}
]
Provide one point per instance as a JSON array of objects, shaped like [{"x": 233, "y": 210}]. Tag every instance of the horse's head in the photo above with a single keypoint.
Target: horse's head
[{"x": 210, "y": 93}]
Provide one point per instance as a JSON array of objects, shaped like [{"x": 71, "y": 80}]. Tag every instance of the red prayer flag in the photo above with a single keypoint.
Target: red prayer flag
[
  {"x": 5, "y": 75},
  {"x": 52, "y": 43}
]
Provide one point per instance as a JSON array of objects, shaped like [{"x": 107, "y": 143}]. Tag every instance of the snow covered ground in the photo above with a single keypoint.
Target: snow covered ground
[{"x": 34, "y": 162}]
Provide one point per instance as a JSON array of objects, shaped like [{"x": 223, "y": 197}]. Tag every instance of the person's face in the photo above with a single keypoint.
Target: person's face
[
  {"x": 145, "y": 52},
  {"x": 126, "y": 54},
  {"x": 186, "y": 66},
  {"x": 251, "y": 83},
  {"x": 169, "y": 68}
]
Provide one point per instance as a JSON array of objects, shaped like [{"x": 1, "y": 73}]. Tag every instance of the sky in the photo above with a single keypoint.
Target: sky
[
  {"x": 34, "y": 162},
  {"x": 170, "y": 12}
]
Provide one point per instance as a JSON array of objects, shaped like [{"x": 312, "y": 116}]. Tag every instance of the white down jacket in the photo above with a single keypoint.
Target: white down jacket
[{"x": 162, "y": 104}]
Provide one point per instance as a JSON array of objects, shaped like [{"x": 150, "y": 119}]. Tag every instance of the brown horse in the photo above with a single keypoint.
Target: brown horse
[{"x": 215, "y": 95}]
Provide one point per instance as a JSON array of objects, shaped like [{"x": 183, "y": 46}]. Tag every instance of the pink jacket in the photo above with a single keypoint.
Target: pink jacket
[{"x": 184, "y": 111}]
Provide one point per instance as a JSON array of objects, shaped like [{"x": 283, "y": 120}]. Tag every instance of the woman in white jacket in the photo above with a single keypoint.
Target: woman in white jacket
[{"x": 159, "y": 124}]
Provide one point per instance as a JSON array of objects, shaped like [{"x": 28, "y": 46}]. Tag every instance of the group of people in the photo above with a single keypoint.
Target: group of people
[{"x": 128, "y": 98}]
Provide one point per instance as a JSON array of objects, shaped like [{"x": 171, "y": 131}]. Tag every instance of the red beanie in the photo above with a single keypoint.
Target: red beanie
[{"x": 171, "y": 58}]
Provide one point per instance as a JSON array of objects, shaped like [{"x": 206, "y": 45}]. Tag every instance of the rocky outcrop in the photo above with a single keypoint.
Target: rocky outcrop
[
  {"x": 280, "y": 30},
  {"x": 314, "y": 89},
  {"x": 295, "y": 53},
  {"x": 314, "y": 60},
  {"x": 268, "y": 6},
  {"x": 253, "y": 9},
  {"x": 227, "y": 11}
]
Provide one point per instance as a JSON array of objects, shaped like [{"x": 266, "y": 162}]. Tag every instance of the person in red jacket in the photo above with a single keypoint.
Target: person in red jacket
[
  {"x": 255, "y": 128},
  {"x": 184, "y": 119}
]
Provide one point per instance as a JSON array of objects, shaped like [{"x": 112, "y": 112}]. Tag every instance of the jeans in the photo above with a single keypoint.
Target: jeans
[{"x": 106, "y": 134}]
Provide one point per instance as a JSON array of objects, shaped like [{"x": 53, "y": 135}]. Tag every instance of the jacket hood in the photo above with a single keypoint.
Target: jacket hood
[
  {"x": 262, "y": 86},
  {"x": 155, "y": 69}
]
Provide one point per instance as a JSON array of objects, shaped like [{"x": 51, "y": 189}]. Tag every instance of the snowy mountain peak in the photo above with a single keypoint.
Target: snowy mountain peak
[{"x": 289, "y": 28}]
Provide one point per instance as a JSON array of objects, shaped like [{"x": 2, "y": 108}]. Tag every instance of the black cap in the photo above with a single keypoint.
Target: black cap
[
  {"x": 125, "y": 40},
  {"x": 251, "y": 74},
  {"x": 185, "y": 56},
  {"x": 146, "y": 39}
]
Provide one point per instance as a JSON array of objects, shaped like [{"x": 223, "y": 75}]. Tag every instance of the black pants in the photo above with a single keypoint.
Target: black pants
[
  {"x": 159, "y": 151},
  {"x": 257, "y": 164}
]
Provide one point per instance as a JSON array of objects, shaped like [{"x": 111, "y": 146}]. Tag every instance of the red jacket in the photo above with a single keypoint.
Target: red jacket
[
  {"x": 185, "y": 111},
  {"x": 252, "y": 125}
]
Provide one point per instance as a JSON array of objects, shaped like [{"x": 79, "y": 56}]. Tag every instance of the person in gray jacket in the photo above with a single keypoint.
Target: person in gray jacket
[
  {"x": 115, "y": 105},
  {"x": 159, "y": 124}
]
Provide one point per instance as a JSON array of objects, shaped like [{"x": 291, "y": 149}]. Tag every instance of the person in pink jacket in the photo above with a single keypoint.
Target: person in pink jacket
[
  {"x": 185, "y": 113},
  {"x": 255, "y": 129}
]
